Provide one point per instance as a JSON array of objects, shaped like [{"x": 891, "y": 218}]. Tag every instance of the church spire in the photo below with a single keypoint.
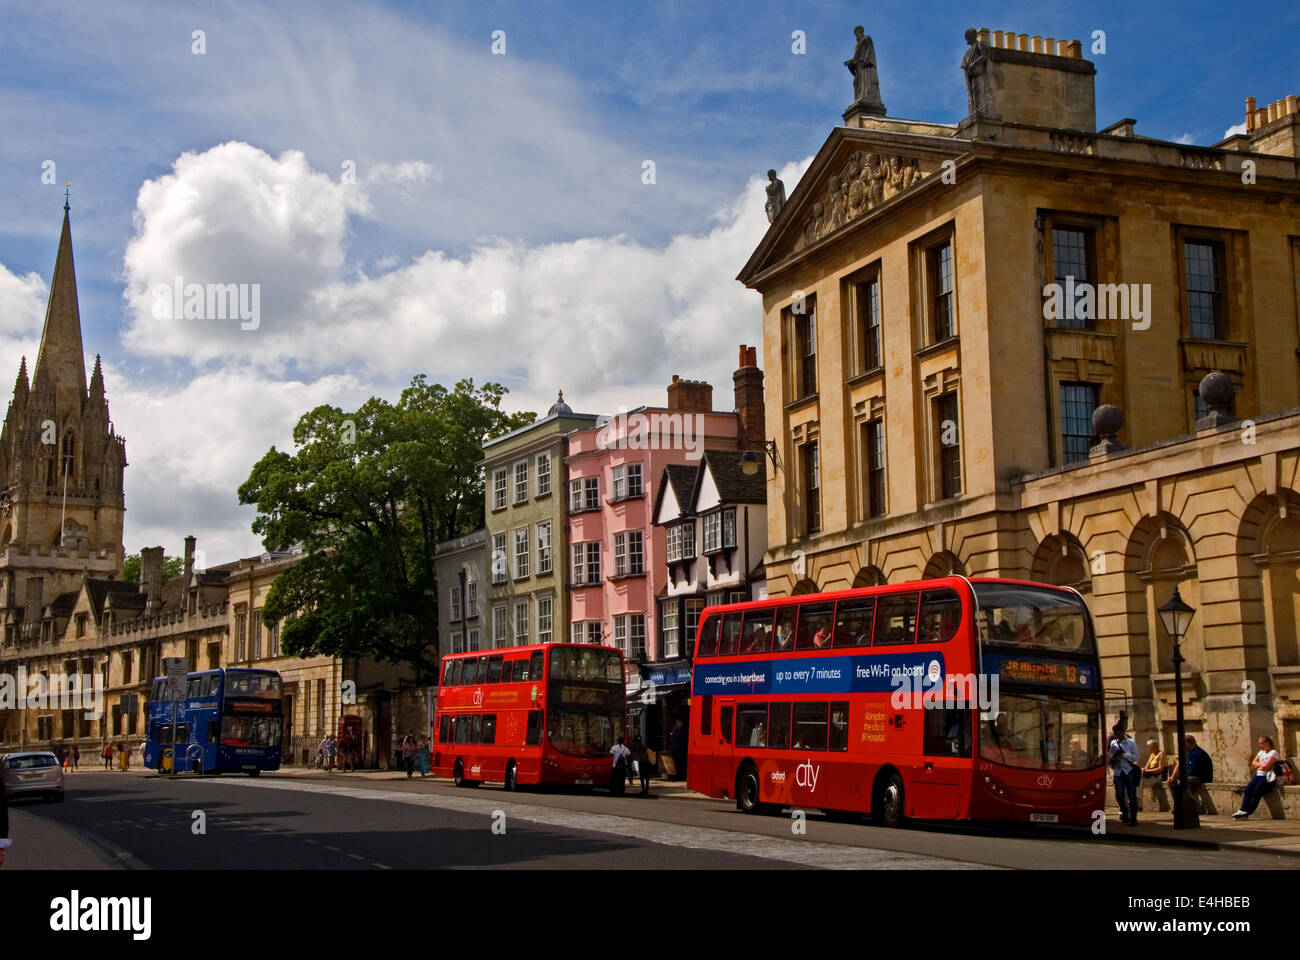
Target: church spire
[
  {"x": 97, "y": 381},
  {"x": 20, "y": 384},
  {"x": 60, "y": 365}
]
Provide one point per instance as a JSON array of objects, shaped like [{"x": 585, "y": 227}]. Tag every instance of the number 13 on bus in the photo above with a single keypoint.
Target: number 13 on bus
[{"x": 951, "y": 699}]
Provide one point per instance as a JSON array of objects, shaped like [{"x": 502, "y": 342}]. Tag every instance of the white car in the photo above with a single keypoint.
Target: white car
[{"x": 37, "y": 772}]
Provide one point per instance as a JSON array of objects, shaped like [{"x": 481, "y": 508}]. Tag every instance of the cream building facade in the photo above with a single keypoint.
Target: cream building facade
[{"x": 931, "y": 395}]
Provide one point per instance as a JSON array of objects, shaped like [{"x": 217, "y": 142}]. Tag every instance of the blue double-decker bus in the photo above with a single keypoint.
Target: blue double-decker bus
[{"x": 231, "y": 721}]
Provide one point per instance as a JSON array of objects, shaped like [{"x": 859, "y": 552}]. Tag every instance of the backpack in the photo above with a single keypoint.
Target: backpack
[{"x": 1285, "y": 772}]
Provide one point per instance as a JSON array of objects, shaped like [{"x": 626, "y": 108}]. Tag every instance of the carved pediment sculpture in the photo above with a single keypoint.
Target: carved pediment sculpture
[{"x": 865, "y": 181}]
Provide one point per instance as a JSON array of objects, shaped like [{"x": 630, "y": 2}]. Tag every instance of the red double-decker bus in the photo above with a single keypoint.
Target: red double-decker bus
[
  {"x": 540, "y": 714},
  {"x": 949, "y": 699}
]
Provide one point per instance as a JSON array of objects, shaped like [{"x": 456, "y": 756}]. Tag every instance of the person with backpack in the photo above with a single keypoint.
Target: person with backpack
[
  {"x": 1268, "y": 764},
  {"x": 1125, "y": 765},
  {"x": 620, "y": 754}
]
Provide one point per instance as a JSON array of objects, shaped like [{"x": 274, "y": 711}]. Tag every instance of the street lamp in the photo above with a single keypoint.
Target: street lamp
[
  {"x": 1177, "y": 617},
  {"x": 751, "y": 461}
]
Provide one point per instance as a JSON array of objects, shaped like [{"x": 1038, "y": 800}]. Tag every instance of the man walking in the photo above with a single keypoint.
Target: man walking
[{"x": 1125, "y": 765}]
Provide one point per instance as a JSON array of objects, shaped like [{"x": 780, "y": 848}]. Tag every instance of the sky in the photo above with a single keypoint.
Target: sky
[{"x": 465, "y": 190}]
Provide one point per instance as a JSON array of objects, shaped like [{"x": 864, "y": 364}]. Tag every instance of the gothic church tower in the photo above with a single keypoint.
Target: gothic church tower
[{"x": 61, "y": 466}]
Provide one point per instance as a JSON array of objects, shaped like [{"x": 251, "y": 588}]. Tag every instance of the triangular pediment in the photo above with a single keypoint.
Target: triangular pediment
[{"x": 856, "y": 172}]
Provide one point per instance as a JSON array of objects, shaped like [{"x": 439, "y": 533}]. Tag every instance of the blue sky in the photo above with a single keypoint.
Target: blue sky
[{"x": 476, "y": 173}]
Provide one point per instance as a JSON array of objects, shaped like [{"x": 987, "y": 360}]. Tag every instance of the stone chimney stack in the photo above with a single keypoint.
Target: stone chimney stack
[
  {"x": 35, "y": 599},
  {"x": 749, "y": 400},
  {"x": 151, "y": 568},
  {"x": 690, "y": 396},
  {"x": 189, "y": 558},
  {"x": 1018, "y": 79}
]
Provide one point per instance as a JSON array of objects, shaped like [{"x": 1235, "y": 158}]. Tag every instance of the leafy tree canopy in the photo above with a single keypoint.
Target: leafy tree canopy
[
  {"x": 368, "y": 495},
  {"x": 172, "y": 567}
]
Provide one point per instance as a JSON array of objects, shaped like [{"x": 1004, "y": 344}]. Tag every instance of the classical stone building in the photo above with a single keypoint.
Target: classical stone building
[{"x": 947, "y": 305}]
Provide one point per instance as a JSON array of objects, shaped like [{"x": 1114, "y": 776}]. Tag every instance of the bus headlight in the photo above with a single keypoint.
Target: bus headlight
[
  {"x": 1093, "y": 790},
  {"x": 994, "y": 786}
]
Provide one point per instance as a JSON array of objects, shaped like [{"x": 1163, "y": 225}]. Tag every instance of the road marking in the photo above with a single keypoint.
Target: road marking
[
  {"x": 381, "y": 866},
  {"x": 356, "y": 856},
  {"x": 806, "y": 852}
]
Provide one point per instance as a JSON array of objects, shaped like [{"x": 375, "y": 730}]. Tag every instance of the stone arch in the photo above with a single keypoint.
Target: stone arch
[
  {"x": 1060, "y": 560},
  {"x": 1268, "y": 568},
  {"x": 803, "y": 586},
  {"x": 1159, "y": 557},
  {"x": 945, "y": 563},
  {"x": 870, "y": 576}
]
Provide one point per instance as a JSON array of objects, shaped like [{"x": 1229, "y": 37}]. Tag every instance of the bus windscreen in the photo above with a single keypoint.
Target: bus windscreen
[{"x": 1032, "y": 617}]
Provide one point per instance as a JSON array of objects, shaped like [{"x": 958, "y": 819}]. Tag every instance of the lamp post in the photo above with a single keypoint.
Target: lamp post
[{"x": 1177, "y": 617}]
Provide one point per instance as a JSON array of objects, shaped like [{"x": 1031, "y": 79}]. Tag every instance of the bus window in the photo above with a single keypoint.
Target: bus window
[
  {"x": 446, "y": 671},
  {"x": 840, "y": 725},
  {"x": 165, "y": 733},
  {"x": 534, "y": 735},
  {"x": 947, "y": 730},
  {"x": 444, "y": 728},
  {"x": 895, "y": 619},
  {"x": 182, "y": 733},
  {"x": 195, "y": 688},
  {"x": 778, "y": 720},
  {"x": 706, "y": 715},
  {"x": 709, "y": 637},
  {"x": 490, "y": 728},
  {"x": 482, "y": 670},
  {"x": 214, "y": 685},
  {"x": 751, "y": 725},
  {"x": 853, "y": 622},
  {"x": 535, "y": 668},
  {"x": 214, "y": 731},
  {"x": 757, "y": 632},
  {"x": 476, "y": 731},
  {"x": 729, "y": 642},
  {"x": 810, "y": 726},
  {"x": 462, "y": 729},
  {"x": 724, "y": 723},
  {"x": 453, "y": 673},
  {"x": 518, "y": 670},
  {"x": 940, "y": 615},
  {"x": 785, "y": 619},
  {"x": 814, "y": 631},
  {"x": 494, "y": 668},
  {"x": 155, "y": 694}
]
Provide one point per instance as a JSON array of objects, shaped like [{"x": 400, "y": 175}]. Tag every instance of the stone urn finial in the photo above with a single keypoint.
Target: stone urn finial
[
  {"x": 1107, "y": 421},
  {"x": 1217, "y": 391}
]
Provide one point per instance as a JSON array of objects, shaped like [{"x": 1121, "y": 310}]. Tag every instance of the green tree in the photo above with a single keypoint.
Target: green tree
[
  {"x": 368, "y": 495},
  {"x": 172, "y": 567}
]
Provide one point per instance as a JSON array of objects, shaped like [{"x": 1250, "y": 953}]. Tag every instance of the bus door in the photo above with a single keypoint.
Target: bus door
[
  {"x": 723, "y": 771},
  {"x": 944, "y": 763}
]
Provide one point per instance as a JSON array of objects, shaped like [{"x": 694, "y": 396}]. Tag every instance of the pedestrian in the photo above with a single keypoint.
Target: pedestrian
[
  {"x": 618, "y": 775},
  {"x": 1265, "y": 766},
  {"x": 408, "y": 755},
  {"x": 423, "y": 756},
  {"x": 1124, "y": 762},
  {"x": 345, "y": 752},
  {"x": 641, "y": 764},
  {"x": 320, "y": 751},
  {"x": 1200, "y": 771},
  {"x": 331, "y": 752},
  {"x": 677, "y": 747},
  {"x": 108, "y": 756},
  {"x": 76, "y": 758}
]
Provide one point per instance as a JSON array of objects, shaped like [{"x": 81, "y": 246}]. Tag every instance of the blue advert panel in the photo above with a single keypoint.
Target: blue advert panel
[
  {"x": 879, "y": 673},
  {"x": 1066, "y": 674}
]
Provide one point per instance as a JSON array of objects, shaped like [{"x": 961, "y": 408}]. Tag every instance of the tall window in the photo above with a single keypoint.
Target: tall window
[
  {"x": 948, "y": 436},
  {"x": 255, "y": 627},
  {"x": 941, "y": 292},
  {"x": 586, "y": 562},
  {"x": 720, "y": 530},
  {"x": 499, "y": 489},
  {"x": 620, "y": 633},
  {"x": 544, "y": 620},
  {"x": 457, "y": 641},
  {"x": 471, "y": 595},
  {"x": 875, "y": 435},
  {"x": 812, "y": 489},
  {"x": 636, "y": 636},
  {"x": 805, "y": 337},
  {"x": 69, "y": 453},
  {"x": 521, "y": 481},
  {"x": 241, "y": 636},
  {"x": 543, "y": 474},
  {"x": 680, "y": 541},
  {"x": 500, "y": 563},
  {"x": 869, "y": 318},
  {"x": 471, "y": 641},
  {"x": 1070, "y": 259},
  {"x": 627, "y": 481},
  {"x": 671, "y": 628},
  {"x": 584, "y": 494},
  {"x": 629, "y": 559},
  {"x": 1204, "y": 265},
  {"x": 544, "y": 547},
  {"x": 273, "y": 640},
  {"x": 499, "y": 626},
  {"x": 521, "y": 622},
  {"x": 521, "y": 553},
  {"x": 456, "y": 613},
  {"x": 1078, "y": 400}
]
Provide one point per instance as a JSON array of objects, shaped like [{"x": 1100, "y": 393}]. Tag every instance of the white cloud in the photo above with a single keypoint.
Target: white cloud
[
  {"x": 409, "y": 171},
  {"x": 1234, "y": 130},
  {"x": 1186, "y": 138}
]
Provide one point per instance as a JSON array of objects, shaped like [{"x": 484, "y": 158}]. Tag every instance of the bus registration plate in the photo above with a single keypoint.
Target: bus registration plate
[
  {"x": 1044, "y": 818},
  {"x": 583, "y": 783}
]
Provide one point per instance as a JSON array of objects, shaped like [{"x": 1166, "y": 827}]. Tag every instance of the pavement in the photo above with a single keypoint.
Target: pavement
[{"x": 41, "y": 844}]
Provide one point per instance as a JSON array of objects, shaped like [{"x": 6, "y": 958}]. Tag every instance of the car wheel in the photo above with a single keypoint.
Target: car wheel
[
  {"x": 254, "y": 773},
  {"x": 888, "y": 808},
  {"x": 747, "y": 791}
]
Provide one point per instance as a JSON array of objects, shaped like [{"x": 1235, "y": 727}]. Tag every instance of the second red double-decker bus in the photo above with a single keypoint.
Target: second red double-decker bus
[
  {"x": 540, "y": 714},
  {"x": 949, "y": 699}
]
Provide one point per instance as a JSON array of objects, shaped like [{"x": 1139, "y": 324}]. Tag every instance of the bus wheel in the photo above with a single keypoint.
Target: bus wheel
[
  {"x": 458, "y": 774},
  {"x": 512, "y": 776},
  {"x": 887, "y": 810},
  {"x": 747, "y": 791},
  {"x": 254, "y": 773}
]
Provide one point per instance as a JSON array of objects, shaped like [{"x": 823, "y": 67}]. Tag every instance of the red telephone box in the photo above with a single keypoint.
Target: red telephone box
[{"x": 350, "y": 726}]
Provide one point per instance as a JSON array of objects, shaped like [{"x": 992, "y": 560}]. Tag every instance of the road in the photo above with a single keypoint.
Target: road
[{"x": 368, "y": 823}]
